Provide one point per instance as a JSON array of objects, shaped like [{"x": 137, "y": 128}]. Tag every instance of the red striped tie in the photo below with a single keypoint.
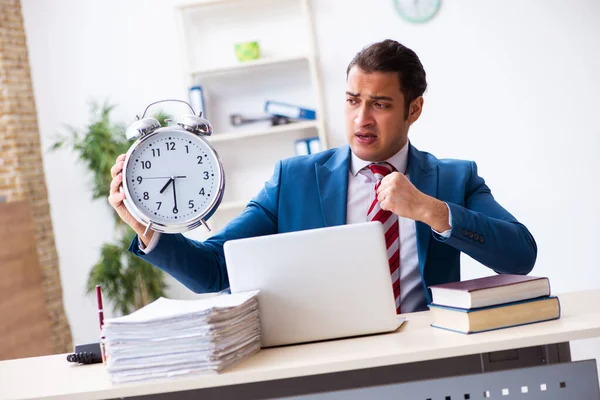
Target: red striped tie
[{"x": 390, "y": 227}]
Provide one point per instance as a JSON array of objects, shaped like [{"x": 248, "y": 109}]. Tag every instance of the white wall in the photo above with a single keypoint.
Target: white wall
[{"x": 512, "y": 85}]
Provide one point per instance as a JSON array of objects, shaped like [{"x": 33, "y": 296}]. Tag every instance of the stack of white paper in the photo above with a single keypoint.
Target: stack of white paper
[{"x": 175, "y": 337}]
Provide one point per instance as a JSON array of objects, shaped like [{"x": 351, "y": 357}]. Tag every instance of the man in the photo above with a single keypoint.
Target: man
[{"x": 432, "y": 210}]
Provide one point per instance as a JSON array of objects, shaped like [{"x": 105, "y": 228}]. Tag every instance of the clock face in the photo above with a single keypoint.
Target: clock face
[
  {"x": 172, "y": 177},
  {"x": 418, "y": 11}
]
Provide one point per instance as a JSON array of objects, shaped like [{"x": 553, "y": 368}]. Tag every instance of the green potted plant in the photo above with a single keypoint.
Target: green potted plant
[{"x": 126, "y": 280}]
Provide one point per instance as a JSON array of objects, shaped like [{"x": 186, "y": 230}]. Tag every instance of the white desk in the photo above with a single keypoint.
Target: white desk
[{"x": 415, "y": 341}]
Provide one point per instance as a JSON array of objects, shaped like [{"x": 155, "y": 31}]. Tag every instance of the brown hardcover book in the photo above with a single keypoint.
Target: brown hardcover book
[
  {"x": 495, "y": 317},
  {"x": 489, "y": 291}
]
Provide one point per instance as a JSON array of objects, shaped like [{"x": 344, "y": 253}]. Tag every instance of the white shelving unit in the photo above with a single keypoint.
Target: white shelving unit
[{"x": 287, "y": 71}]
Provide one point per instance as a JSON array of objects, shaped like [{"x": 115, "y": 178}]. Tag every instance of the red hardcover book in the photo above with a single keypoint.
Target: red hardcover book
[{"x": 489, "y": 291}]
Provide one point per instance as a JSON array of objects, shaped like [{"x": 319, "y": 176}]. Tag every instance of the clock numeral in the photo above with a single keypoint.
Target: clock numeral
[
  {"x": 187, "y": 149},
  {"x": 205, "y": 175},
  {"x": 191, "y": 204},
  {"x": 170, "y": 145},
  {"x": 139, "y": 179},
  {"x": 175, "y": 210},
  {"x": 146, "y": 196},
  {"x": 199, "y": 159},
  {"x": 146, "y": 164},
  {"x": 201, "y": 192},
  {"x": 159, "y": 204},
  {"x": 155, "y": 152}
]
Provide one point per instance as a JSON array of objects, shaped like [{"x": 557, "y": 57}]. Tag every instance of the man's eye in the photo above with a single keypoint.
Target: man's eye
[
  {"x": 381, "y": 105},
  {"x": 351, "y": 101}
]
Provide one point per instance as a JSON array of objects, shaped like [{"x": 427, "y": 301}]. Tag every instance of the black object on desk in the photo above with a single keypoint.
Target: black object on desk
[{"x": 86, "y": 354}]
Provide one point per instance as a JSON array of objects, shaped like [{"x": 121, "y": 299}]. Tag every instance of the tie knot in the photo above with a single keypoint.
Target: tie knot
[{"x": 381, "y": 169}]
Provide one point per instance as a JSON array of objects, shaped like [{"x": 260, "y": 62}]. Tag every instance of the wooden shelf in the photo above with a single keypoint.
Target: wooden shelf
[
  {"x": 248, "y": 65},
  {"x": 273, "y": 130}
]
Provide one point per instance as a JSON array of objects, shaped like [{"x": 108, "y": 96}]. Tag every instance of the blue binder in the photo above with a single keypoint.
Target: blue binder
[
  {"x": 289, "y": 110},
  {"x": 197, "y": 100}
]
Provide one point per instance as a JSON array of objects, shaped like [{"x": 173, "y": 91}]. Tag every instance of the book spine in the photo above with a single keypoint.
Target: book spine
[
  {"x": 314, "y": 145},
  {"x": 197, "y": 100},
  {"x": 301, "y": 147}
]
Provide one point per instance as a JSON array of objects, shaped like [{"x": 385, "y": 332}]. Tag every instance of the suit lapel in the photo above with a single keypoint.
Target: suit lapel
[
  {"x": 423, "y": 175},
  {"x": 332, "y": 181}
]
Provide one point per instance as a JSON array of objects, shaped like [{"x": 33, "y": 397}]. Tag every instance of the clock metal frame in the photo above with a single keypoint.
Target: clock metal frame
[{"x": 175, "y": 227}]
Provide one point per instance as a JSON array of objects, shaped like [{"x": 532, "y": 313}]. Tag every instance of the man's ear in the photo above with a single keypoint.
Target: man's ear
[{"x": 415, "y": 109}]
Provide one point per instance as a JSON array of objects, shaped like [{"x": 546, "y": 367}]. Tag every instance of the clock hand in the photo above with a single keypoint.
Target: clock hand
[
  {"x": 167, "y": 184},
  {"x": 165, "y": 177},
  {"x": 174, "y": 198}
]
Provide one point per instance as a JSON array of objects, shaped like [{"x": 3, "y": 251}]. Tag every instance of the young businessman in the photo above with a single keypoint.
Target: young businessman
[{"x": 432, "y": 210}]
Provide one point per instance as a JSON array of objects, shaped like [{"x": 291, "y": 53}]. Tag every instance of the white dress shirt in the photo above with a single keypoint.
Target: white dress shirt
[{"x": 361, "y": 193}]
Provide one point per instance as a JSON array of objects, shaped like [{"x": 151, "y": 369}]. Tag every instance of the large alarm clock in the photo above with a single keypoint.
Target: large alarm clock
[{"x": 173, "y": 178}]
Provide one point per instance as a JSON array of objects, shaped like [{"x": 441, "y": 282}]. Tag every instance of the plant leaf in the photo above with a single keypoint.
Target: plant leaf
[{"x": 127, "y": 280}]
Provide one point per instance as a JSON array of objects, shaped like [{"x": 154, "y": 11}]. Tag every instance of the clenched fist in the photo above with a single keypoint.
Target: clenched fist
[{"x": 397, "y": 194}]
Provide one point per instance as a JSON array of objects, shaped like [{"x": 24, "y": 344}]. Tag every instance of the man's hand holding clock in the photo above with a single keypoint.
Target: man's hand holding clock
[
  {"x": 176, "y": 158},
  {"x": 116, "y": 197}
]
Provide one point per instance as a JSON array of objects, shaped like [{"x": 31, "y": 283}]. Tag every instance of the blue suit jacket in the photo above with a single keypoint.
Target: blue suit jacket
[{"x": 310, "y": 192}]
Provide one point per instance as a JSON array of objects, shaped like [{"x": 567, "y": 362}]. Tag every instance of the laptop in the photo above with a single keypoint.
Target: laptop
[{"x": 316, "y": 284}]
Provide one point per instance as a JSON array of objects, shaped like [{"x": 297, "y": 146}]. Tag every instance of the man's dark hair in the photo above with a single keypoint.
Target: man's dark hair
[{"x": 391, "y": 56}]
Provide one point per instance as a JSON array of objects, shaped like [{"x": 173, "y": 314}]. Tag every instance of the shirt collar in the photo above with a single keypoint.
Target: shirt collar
[{"x": 398, "y": 160}]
